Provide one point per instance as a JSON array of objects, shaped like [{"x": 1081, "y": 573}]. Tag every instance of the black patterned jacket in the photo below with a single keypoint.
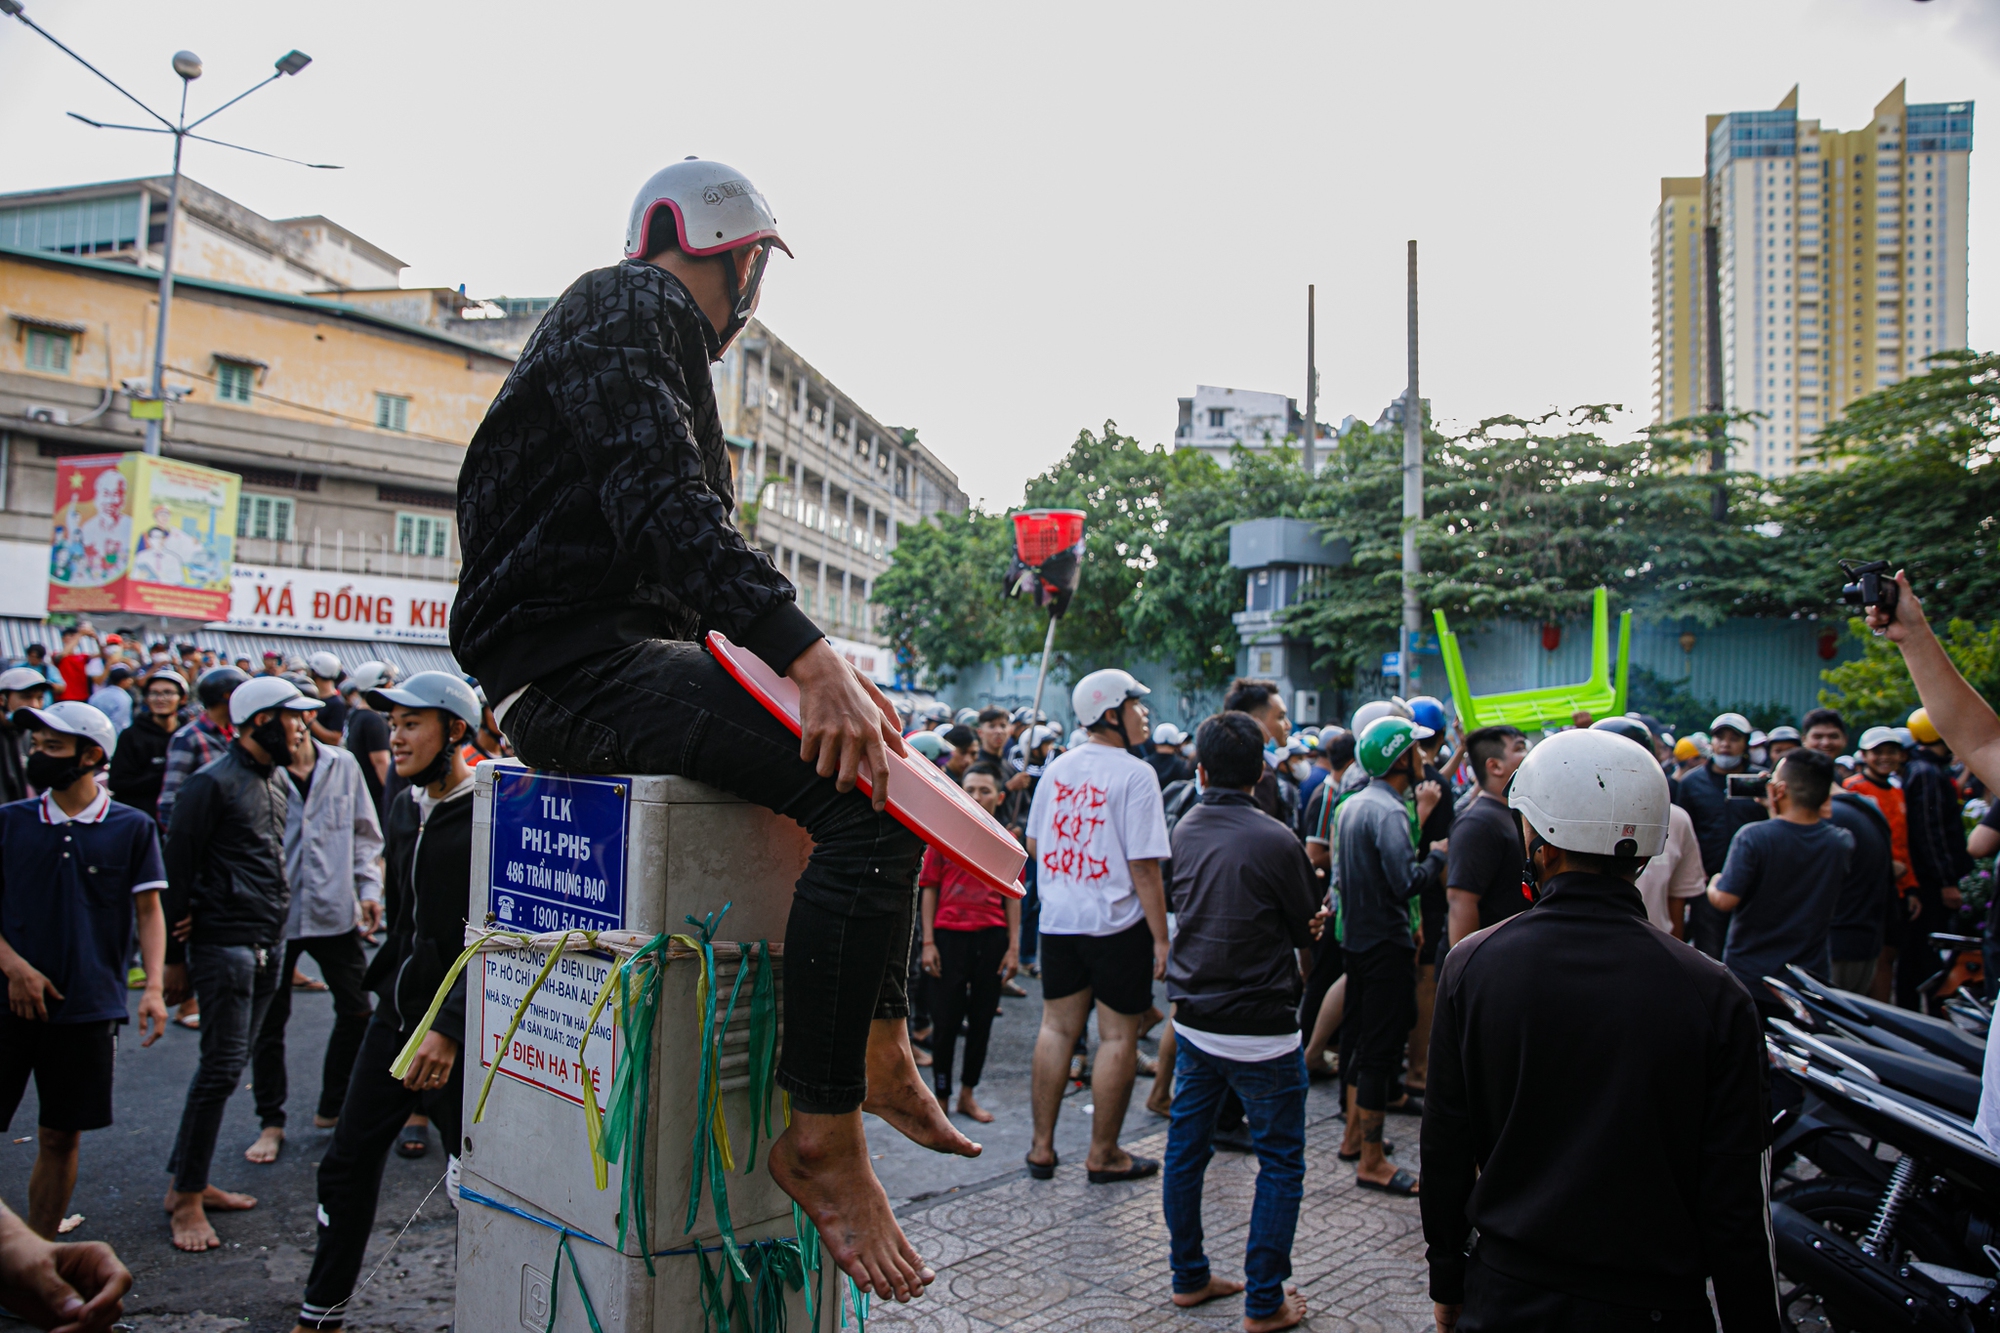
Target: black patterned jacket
[{"x": 594, "y": 501}]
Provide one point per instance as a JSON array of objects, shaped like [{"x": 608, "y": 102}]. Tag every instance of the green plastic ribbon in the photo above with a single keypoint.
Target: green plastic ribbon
[
  {"x": 576, "y": 1275},
  {"x": 763, "y": 1048},
  {"x": 629, "y": 1111}
]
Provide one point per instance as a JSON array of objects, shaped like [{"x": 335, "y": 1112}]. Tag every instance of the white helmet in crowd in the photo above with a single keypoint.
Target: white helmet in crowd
[
  {"x": 368, "y": 676},
  {"x": 259, "y": 693},
  {"x": 1875, "y": 737},
  {"x": 1594, "y": 792},
  {"x": 15, "y": 679},
  {"x": 1102, "y": 691},
  {"x": 1168, "y": 734},
  {"x": 324, "y": 665},
  {"x": 1376, "y": 708},
  {"x": 1038, "y": 735},
  {"x": 72, "y": 719}
]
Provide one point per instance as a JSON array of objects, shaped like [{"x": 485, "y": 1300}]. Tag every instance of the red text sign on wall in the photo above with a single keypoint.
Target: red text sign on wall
[{"x": 274, "y": 600}]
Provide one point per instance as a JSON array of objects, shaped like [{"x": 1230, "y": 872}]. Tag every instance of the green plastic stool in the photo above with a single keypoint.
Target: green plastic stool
[{"x": 1550, "y": 706}]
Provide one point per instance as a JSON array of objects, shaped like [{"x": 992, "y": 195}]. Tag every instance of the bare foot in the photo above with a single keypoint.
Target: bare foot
[
  {"x": 968, "y": 1105},
  {"x": 1217, "y": 1287},
  {"x": 822, "y": 1162},
  {"x": 898, "y": 1095},
  {"x": 215, "y": 1199},
  {"x": 190, "y": 1224},
  {"x": 269, "y": 1143},
  {"x": 1289, "y": 1315},
  {"x": 325, "y": 1121}
]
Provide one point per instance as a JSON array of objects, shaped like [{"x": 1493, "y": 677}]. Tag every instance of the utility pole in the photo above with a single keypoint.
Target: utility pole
[
  {"x": 1711, "y": 291},
  {"x": 1413, "y": 496},
  {"x": 1312, "y": 389},
  {"x": 188, "y": 66}
]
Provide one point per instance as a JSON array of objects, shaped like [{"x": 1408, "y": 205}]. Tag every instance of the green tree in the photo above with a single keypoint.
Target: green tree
[
  {"x": 1875, "y": 689},
  {"x": 1907, "y": 474},
  {"x": 941, "y": 598},
  {"x": 1524, "y": 517}
]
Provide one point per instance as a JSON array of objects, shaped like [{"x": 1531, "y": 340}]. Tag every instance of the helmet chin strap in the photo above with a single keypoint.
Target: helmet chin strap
[{"x": 741, "y": 302}]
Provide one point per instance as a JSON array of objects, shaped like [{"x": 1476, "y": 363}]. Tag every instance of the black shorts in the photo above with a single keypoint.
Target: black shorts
[
  {"x": 1116, "y": 969},
  {"x": 71, "y": 1063}
]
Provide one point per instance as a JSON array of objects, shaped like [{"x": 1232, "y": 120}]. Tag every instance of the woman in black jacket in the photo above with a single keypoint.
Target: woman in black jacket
[{"x": 428, "y": 834}]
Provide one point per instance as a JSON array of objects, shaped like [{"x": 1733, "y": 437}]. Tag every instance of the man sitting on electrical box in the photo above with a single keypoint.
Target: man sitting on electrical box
[{"x": 594, "y": 510}]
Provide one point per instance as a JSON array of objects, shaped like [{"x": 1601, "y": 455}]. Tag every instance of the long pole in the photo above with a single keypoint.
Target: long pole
[
  {"x": 1413, "y": 494},
  {"x": 1718, "y": 449},
  {"x": 1312, "y": 388},
  {"x": 153, "y": 427},
  {"x": 1048, "y": 646}
]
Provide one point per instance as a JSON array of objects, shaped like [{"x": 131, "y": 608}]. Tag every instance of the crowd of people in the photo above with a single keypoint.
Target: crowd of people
[
  {"x": 1298, "y": 891},
  {"x": 191, "y": 829}
]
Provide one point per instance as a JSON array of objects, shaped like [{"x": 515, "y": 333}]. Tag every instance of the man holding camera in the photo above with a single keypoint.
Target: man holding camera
[
  {"x": 1782, "y": 879},
  {"x": 1703, "y": 791}
]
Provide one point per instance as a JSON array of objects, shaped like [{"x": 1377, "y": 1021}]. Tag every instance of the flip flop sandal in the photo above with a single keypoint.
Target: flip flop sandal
[
  {"x": 1014, "y": 989},
  {"x": 1141, "y": 1168},
  {"x": 413, "y": 1143},
  {"x": 1387, "y": 1147},
  {"x": 307, "y": 983},
  {"x": 1410, "y": 1105},
  {"x": 1403, "y": 1183},
  {"x": 192, "y": 1022},
  {"x": 1044, "y": 1170}
]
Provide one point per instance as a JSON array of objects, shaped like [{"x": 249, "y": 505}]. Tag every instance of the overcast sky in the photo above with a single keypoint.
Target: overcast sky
[{"x": 1017, "y": 222}]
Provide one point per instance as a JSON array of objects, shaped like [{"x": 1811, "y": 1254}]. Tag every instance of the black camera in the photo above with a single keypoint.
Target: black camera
[
  {"x": 1872, "y": 583},
  {"x": 1750, "y": 786}
]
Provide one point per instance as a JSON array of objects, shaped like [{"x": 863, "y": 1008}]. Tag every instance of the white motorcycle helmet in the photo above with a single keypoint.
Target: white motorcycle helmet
[
  {"x": 1102, "y": 691},
  {"x": 1594, "y": 792},
  {"x": 1374, "y": 709},
  {"x": 713, "y": 210}
]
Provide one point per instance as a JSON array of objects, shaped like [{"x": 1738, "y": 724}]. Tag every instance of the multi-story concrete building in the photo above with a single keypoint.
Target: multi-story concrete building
[
  {"x": 345, "y": 401},
  {"x": 1216, "y": 420},
  {"x": 823, "y": 486},
  {"x": 1829, "y": 265}
]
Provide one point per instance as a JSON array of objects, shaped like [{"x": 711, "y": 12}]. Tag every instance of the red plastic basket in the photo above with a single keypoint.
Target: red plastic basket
[{"x": 1040, "y": 533}]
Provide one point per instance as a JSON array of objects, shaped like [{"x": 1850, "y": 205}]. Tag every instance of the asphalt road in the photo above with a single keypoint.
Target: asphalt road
[
  {"x": 256, "y": 1279},
  {"x": 259, "y": 1274}
]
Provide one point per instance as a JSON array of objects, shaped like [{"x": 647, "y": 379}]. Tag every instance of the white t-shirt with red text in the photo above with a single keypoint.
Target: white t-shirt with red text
[{"x": 1096, "y": 808}]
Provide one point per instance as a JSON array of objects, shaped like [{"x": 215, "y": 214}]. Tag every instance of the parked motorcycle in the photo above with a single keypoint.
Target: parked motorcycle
[{"x": 1874, "y": 1243}]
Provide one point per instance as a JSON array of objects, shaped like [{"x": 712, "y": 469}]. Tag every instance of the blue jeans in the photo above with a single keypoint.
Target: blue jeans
[{"x": 1274, "y": 1102}]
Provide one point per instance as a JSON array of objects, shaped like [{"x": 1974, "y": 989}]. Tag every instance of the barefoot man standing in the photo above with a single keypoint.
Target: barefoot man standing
[{"x": 594, "y": 511}]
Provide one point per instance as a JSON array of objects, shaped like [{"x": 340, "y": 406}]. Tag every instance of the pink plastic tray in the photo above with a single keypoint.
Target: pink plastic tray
[{"x": 921, "y": 797}]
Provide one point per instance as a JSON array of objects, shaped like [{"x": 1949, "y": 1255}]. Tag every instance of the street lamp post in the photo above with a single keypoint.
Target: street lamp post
[{"x": 188, "y": 65}]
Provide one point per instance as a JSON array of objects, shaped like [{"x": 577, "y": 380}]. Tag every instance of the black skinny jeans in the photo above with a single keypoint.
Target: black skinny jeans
[
  {"x": 234, "y": 984},
  {"x": 341, "y": 963},
  {"x": 668, "y": 707},
  {"x": 350, "y": 1175},
  {"x": 965, "y": 992}
]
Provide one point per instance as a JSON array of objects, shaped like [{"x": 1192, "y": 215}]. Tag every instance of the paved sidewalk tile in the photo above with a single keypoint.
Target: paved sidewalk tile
[{"x": 1061, "y": 1255}]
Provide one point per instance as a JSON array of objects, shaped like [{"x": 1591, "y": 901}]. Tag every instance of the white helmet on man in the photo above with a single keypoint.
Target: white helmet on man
[
  {"x": 1376, "y": 708},
  {"x": 715, "y": 211},
  {"x": 72, "y": 718},
  {"x": 370, "y": 675},
  {"x": 1594, "y": 792},
  {"x": 259, "y": 693},
  {"x": 1101, "y": 691}
]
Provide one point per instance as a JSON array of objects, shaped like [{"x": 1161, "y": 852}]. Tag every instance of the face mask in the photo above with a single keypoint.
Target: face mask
[
  {"x": 1299, "y": 769},
  {"x": 1725, "y": 762},
  {"x": 271, "y": 735},
  {"x": 53, "y": 772}
]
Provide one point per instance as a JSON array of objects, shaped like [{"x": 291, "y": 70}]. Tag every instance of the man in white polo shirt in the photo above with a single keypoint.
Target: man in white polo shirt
[{"x": 1098, "y": 833}]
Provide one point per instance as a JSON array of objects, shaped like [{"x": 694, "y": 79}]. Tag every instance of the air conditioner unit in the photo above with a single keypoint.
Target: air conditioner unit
[
  {"x": 53, "y": 416},
  {"x": 1306, "y": 711}
]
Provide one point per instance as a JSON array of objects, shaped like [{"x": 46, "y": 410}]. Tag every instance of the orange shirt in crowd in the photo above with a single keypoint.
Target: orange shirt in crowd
[{"x": 1889, "y": 800}]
